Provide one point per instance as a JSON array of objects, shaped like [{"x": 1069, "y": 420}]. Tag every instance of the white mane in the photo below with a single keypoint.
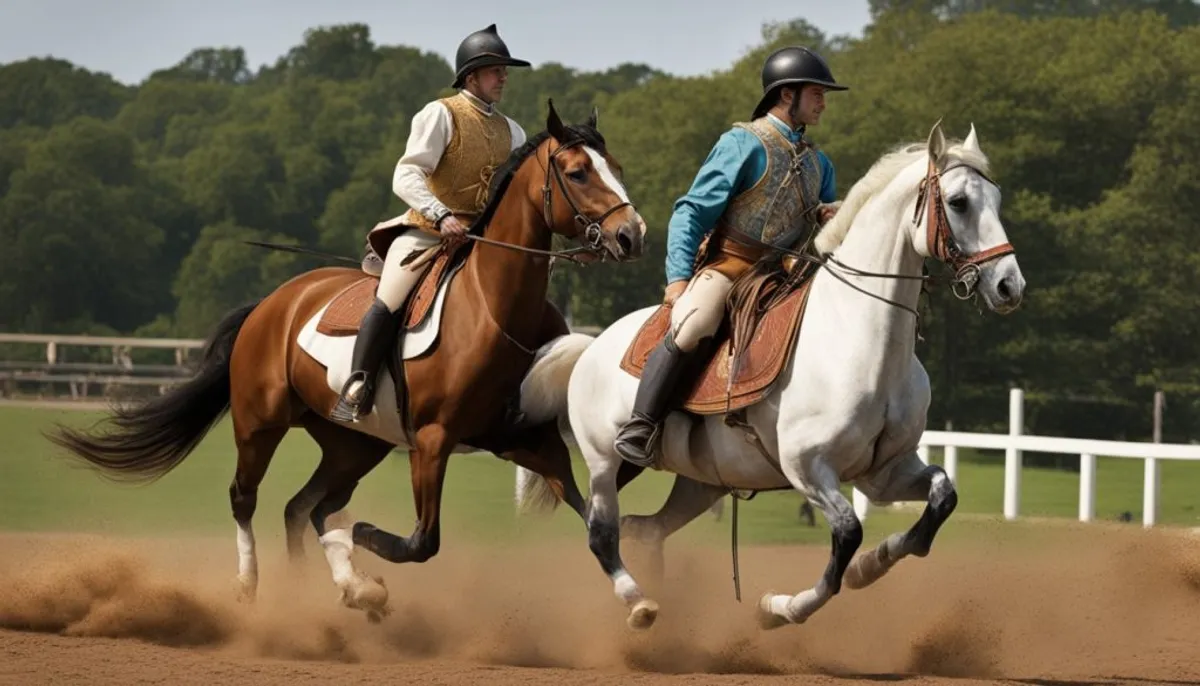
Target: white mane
[{"x": 878, "y": 177}]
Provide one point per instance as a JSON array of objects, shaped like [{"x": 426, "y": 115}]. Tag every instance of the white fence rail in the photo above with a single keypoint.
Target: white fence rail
[
  {"x": 122, "y": 371},
  {"x": 1016, "y": 442}
]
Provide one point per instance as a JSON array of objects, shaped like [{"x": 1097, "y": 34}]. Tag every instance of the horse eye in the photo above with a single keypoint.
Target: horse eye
[
  {"x": 578, "y": 176},
  {"x": 958, "y": 203}
]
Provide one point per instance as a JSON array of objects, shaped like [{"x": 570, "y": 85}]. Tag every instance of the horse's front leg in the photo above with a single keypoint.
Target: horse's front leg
[
  {"x": 821, "y": 487},
  {"x": 428, "y": 458},
  {"x": 908, "y": 479}
]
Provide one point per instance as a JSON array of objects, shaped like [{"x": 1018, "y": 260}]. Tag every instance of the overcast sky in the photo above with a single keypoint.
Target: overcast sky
[{"x": 131, "y": 38}]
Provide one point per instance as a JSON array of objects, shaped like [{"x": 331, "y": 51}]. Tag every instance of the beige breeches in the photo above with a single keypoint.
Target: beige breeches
[
  {"x": 396, "y": 281},
  {"x": 699, "y": 310}
]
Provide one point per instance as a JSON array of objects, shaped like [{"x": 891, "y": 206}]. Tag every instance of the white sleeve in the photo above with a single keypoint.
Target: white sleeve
[
  {"x": 427, "y": 140},
  {"x": 518, "y": 133}
]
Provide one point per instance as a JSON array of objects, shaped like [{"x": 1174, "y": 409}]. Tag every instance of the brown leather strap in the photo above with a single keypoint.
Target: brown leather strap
[{"x": 727, "y": 242}]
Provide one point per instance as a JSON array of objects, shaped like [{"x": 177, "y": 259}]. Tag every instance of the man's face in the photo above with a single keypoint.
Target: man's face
[
  {"x": 812, "y": 104},
  {"x": 487, "y": 83}
]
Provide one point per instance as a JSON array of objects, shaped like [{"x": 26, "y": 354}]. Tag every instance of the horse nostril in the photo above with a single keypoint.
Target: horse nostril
[
  {"x": 625, "y": 241},
  {"x": 1004, "y": 290}
]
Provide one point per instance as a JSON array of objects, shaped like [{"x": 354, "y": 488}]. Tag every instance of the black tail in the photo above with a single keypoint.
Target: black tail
[{"x": 153, "y": 438}]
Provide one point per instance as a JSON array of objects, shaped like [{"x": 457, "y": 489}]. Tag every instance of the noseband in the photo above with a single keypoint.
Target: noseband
[{"x": 940, "y": 240}]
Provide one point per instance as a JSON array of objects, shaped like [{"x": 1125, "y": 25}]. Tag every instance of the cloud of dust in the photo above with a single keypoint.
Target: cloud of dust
[{"x": 1085, "y": 603}]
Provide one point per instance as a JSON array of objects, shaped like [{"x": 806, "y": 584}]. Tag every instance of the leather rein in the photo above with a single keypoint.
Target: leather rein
[
  {"x": 590, "y": 235},
  {"x": 939, "y": 239}
]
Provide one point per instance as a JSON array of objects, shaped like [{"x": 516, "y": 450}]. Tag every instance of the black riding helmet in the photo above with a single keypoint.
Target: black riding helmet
[
  {"x": 793, "y": 65},
  {"x": 483, "y": 48}
]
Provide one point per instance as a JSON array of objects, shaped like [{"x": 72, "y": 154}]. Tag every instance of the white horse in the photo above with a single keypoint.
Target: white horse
[{"x": 850, "y": 407}]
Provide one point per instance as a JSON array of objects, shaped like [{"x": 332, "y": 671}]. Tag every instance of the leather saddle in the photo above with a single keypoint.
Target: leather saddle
[
  {"x": 345, "y": 311},
  {"x": 767, "y": 347}
]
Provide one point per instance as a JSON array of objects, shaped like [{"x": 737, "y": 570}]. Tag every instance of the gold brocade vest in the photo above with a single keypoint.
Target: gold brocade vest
[
  {"x": 478, "y": 145},
  {"x": 779, "y": 209}
]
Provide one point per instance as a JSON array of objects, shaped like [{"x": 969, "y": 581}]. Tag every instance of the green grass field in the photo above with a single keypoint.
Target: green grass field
[{"x": 40, "y": 491}]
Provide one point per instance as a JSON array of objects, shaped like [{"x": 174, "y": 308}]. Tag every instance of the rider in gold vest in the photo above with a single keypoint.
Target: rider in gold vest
[
  {"x": 454, "y": 146},
  {"x": 763, "y": 185}
]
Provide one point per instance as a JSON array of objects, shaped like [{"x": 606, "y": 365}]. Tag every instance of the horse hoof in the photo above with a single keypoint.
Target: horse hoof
[
  {"x": 371, "y": 594},
  {"x": 643, "y": 614},
  {"x": 768, "y": 620}
]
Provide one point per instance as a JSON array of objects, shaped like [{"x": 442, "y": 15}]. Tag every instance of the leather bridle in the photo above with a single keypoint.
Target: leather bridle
[
  {"x": 591, "y": 235},
  {"x": 940, "y": 240}
]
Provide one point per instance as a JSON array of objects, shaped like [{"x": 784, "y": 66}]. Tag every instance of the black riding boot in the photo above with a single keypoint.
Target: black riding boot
[
  {"x": 639, "y": 437},
  {"x": 374, "y": 335}
]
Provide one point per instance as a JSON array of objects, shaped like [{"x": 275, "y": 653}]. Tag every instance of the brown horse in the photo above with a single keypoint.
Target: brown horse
[{"x": 498, "y": 339}]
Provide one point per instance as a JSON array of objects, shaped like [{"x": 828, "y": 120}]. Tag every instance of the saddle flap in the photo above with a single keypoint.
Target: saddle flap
[
  {"x": 347, "y": 308},
  {"x": 766, "y": 354},
  {"x": 422, "y": 297}
]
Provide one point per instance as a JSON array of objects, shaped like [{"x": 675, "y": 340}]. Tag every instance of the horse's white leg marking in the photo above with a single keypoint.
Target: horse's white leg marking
[
  {"x": 247, "y": 561},
  {"x": 358, "y": 590},
  {"x": 604, "y": 541},
  {"x": 823, "y": 491},
  {"x": 909, "y": 479}
]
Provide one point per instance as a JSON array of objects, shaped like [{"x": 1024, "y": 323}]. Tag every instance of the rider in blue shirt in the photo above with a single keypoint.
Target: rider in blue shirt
[
  {"x": 736, "y": 162},
  {"x": 763, "y": 185}
]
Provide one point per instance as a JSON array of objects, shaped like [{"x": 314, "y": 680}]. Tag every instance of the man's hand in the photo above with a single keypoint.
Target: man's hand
[
  {"x": 453, "y": 231},
  {"x": 827, "y": 212},
  {"x": 674, "y": 290}
]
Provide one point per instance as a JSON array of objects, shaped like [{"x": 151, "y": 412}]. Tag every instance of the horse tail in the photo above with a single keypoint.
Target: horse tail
[
  {"x": 544, "y": 388},
  {"x": 543, "y": 399},
  {"x": 153, "y": 438}
]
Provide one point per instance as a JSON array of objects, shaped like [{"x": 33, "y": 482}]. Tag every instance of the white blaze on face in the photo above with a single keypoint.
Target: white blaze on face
[
  {"x": 610, "y": 179},
  {"x": 606, "y": 174}
]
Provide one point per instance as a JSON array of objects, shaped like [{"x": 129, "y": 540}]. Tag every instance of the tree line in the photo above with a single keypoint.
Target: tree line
[{"x": 123, "y": 209}]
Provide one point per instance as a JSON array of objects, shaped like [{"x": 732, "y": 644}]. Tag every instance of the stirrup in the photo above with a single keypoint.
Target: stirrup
[
  {"x": 637, "y": 442},
  {"x": 347, "y": 410}
]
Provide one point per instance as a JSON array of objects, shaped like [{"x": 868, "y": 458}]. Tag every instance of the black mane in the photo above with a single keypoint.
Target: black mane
[{"x": 503, "y": 176}]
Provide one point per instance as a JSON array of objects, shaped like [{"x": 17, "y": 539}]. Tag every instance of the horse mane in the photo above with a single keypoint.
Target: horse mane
[
  {"x": 878, "y": 177},
  {"x": 503, "y": 176}
]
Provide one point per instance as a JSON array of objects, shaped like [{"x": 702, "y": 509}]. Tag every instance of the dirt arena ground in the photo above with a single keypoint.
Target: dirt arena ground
[{"x": 1096, "y": 605}]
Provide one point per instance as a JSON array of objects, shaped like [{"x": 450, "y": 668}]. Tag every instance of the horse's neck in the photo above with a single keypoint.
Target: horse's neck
[
  {"x": 513, "y": 283},
  {"x": 880, "y": 242}
]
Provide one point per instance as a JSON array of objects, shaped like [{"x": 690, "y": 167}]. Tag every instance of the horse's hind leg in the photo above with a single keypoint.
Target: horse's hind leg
[
  {"x": 298, "y": 510},
  {"x": 908, "y": 479},
  {"x": 255, "y": 448},
  {"x": 822, "y": 488},
  {"x": 346, "y": 457},
  {"x": 688, "y": 500}
]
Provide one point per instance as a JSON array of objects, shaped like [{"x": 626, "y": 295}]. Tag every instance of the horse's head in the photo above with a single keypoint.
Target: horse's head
[
  {"x": 583, "y": 197},
  {"x": 959, "y": 209}
]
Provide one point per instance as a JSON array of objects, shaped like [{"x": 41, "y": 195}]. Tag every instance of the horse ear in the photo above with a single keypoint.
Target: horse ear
[
  {"x": 972, "y": 140},
  {"x": 937, "y": 142},
  {"x": 554, "y": 124},
  {"x": 594, "y": 118}
]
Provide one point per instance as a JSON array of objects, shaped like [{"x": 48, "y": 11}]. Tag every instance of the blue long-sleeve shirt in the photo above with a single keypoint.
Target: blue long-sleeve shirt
[{"x": 735, "y": 163}]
